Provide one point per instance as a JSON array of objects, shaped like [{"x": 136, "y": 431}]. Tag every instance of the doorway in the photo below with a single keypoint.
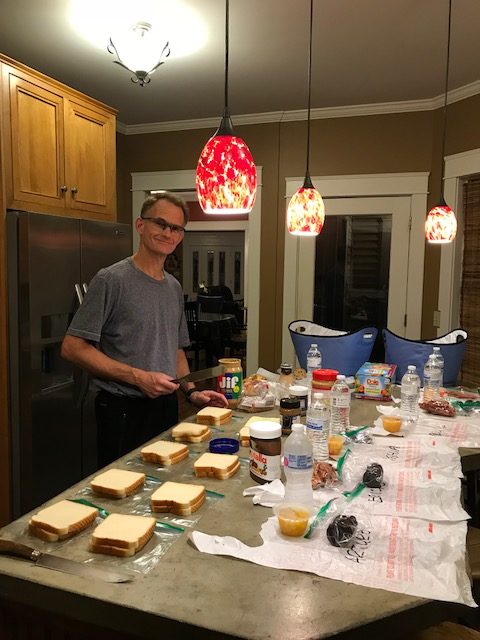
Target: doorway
[{"x": 373, "y": 249}]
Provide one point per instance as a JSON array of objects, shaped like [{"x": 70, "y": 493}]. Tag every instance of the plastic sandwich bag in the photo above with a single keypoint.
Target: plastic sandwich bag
[{"x": 415, "y": 557}]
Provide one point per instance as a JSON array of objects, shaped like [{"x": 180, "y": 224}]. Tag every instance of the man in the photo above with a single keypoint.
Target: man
[{"x": 130, "y": 333}]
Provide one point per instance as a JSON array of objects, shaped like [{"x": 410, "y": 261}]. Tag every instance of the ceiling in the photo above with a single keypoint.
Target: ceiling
[{"x": 364, "y": 52}]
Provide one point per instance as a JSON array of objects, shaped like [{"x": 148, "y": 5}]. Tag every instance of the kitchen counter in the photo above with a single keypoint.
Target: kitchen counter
[{"x": 194, "y": 595}]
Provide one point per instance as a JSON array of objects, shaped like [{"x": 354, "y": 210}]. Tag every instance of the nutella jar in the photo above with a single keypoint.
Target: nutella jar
[
  {"x": 230, "y": 383},
  {"x": 265, "y": 451},
  {"x": 289, "y": 412},
  {"x": 300, "y": 392}
]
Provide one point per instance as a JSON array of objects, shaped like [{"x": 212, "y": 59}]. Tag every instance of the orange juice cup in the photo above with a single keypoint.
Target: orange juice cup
[
  {"x": 393, "y": 424},
  {"x": 335, "y": 444}
]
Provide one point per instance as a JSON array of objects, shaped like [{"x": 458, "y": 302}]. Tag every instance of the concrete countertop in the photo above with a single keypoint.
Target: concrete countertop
[{"x": 194, "y": 595}]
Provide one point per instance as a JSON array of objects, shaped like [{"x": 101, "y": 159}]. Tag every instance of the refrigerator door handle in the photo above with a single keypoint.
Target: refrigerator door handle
[
  {"x": 85, "y": 287},
  {"x": 78, "y": 291}
]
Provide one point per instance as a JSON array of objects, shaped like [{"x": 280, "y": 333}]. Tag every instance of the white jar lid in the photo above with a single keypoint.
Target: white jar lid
[
  {"x": 265, "y": 429},
  {"x": 298, "y": 390}
]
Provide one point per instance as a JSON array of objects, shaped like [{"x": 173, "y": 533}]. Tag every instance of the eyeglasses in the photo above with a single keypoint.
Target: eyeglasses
[{"x": 175, "y": 229}]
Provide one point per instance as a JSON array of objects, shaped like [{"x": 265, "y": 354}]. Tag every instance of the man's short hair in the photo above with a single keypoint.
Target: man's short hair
[{"x": 173, "y": 198}]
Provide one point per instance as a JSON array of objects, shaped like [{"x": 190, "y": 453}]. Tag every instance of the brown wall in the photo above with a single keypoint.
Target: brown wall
[{"x": 393, "y": 143}]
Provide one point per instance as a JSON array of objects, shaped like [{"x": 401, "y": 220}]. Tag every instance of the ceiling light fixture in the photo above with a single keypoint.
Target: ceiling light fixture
[
  {"x": 306, "y": 211},
  {"x": 441, "y": 223},
  {"x": 137, "y": 51},
  {"x": 226, "y": 176}
]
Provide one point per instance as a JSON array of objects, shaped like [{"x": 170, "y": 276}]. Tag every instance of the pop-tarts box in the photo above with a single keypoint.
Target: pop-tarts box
[{"x": 374, "y": 381}]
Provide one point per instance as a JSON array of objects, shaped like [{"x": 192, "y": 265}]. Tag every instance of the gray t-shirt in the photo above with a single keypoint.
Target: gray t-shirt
[{"x": 134, "y": 319}]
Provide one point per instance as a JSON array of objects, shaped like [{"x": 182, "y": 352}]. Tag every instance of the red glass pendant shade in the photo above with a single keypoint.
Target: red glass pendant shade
[
  {"x": 226, "y": 176},
  {"x": 441, "y": 224},
  {"x": 306, "y": 211}
]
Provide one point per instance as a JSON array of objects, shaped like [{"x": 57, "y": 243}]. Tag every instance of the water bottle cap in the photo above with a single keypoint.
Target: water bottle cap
[
  {"x": 436, "y": 348},
  {"x": 340, "y": 376},
  {"x": 297, "y": 427},
  {"x": 314, "y": 344},
  {"x": 412, "y": 367}
]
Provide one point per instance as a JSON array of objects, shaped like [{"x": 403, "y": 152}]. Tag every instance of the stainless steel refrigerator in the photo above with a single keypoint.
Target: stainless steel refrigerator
[{"x": 50, "y": 262}]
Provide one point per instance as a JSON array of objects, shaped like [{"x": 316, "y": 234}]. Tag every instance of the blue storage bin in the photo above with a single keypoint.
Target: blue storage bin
[
  {"x": 341, "y": 350},
  {"x": 402, "y": 352}
]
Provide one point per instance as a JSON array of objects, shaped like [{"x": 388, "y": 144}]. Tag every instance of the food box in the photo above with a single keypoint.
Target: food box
[{"x": 374, "y": 381}]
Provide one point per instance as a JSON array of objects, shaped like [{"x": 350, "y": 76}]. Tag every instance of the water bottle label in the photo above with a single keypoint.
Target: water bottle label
[
  {"x": 316, "y": 424},
  {"x": 342, "y": 401},
  {"x": 294, "y": 461}
]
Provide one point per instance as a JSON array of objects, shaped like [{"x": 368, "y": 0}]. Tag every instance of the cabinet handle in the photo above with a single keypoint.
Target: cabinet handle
[
  {"x": 74, "y": 190},
  {"x": 64, "y": 188}
]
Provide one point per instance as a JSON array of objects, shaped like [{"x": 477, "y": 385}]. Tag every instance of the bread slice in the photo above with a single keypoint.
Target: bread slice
[
  {"x": 165, "y": 452},
  {"x": 189, "y": 432},
  {"x": 61, "y": 520},
  {"x": 122, "y": 535},
  {"x": 214, "y": 415},
  {"x": 178, "y": 498},
  {"x": 216, "y": 465},
  {"x": 117, "y": 483}
]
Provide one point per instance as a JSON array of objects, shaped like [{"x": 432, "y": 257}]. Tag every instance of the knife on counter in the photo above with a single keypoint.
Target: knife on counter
[
  {"x": 49, "y": 561},
  {"x": 203, "y": 374}
]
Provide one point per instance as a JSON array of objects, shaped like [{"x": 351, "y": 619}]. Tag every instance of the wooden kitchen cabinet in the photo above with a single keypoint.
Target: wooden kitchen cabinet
[{"x": 58, "y": 148}]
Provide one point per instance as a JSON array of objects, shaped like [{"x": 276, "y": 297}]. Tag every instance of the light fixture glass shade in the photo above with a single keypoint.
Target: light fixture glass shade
[
  {"x": 226, "y": 177},
  {"x": 138, "y": 51},
  {"x": 306, "y": 211},
  {"x": 441, "y": 224}
]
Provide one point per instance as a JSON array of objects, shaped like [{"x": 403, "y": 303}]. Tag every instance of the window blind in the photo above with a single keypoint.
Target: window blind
[{"x": 470, "y": 291}]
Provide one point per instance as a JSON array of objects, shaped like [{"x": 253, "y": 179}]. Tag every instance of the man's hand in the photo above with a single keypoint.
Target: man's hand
[
  {"x": 207, "y": 397},
  {"x": 154, "y": 383}
]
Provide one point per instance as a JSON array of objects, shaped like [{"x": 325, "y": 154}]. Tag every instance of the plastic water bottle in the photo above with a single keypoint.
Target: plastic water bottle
[
  {"x": 314, "y": 361},
  {"x": 317, "y": 427},
  {"x": 340, "y": 412},
  {"x": 298, "y": 466},
  {"x": 409, "y": 393},
  {"x": 440, "y": 360},
  {"x": 432, "y": 374}
]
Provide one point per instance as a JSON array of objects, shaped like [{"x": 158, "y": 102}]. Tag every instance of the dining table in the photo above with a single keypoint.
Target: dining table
[{"x": 185, "y": 593}]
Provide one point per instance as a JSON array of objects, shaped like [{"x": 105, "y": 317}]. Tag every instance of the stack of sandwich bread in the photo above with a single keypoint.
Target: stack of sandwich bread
[
  {"x": 178, "y": 498},
  {"x": 122, "y": 535},
  {"x": 117, "y": 483},
  {"x": 214, "y": 416},
  {"x": 164, "y": 452},
  {"x": 216, "y": 465},
  {"x": 189, "y": 432},
  {"x": 61, "y": 520}
]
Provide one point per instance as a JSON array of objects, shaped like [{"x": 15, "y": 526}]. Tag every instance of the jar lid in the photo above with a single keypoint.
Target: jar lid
[
  {"x": 289, "y": 403},
  {"x": 286, "y": 368},
  {"x": 298, "y": 390},
  {"x": 324, "y": 374},
  {"x": 265, "y": 430},
  {"x": 224, "y": 445}
]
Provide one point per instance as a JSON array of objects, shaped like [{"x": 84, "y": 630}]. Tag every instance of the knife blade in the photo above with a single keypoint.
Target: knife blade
[
  {"x": 203, "y": 374},
  {"x": 50, "y": 561}
]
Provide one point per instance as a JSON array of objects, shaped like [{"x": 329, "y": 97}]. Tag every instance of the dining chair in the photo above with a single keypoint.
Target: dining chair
[
  {"x": 210, "y": 304},
  {"x": 197, "y": 344}
]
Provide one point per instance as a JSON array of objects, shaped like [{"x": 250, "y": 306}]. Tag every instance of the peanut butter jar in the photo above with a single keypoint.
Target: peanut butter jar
[{"x": 230, "y": 383}]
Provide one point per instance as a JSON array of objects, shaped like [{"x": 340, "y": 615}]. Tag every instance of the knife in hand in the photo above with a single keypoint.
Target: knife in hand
[
  {"x": 49, "y": 561},
  {"x": 203, "y": 374}
]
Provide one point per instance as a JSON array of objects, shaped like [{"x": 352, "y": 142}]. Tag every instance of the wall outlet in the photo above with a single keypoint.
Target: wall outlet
[{"x": 436, "y": 318}]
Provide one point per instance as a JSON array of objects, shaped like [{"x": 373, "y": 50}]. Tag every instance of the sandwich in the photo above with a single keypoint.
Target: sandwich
[
  {"x": 61, "y": 520},
  {"x": 164, "y": 452},
  {"x": 189, "y": 432},
  {"x": 216, "y": 465},
  {"x": 122, "y": 535},
  {"x": 214, "y": 415},
  {"x": 180, "y": 499},
  {"x": 117, "y": 483},
  {"x": 245, "y": 430}
]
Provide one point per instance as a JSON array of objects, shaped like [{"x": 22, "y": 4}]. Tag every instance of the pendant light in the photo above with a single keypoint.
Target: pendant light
[
  {"x": 441, "y": 223},
  {"x": 226, "y": 177},
  {"x": 306, "y": 211}
]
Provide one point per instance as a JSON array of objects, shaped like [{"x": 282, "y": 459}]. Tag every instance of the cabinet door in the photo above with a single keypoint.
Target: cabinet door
[
  {"x": 90, "y": 160},
  {"x": 35, "y": 144}
]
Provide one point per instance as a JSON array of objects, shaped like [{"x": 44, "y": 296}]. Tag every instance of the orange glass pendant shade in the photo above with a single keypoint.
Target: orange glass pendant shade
[
  {"x": 441, "y": 224},
  {"x": 306, "y": 211},
  {"x": 226, "y": 176}
]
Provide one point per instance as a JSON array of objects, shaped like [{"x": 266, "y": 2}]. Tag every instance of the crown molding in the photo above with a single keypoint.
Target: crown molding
[{"x": 351, "y": 111}]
